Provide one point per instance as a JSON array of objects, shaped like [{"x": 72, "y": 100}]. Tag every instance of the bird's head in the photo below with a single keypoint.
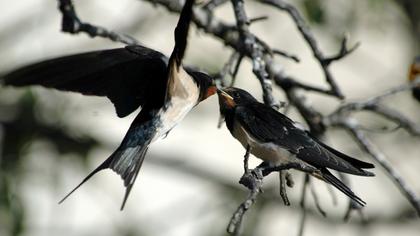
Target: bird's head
[
  {"x": 205, "y": 82},
  {"x": 231, "y": 97}
]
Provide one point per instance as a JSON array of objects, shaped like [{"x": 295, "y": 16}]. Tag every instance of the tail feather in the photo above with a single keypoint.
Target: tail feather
[
  {"x": 103, "y": 166},
  {"x": 126, "y": 163},
  {"x": 353, "y": 161},
  {"x": 128, "y": 166},
  {"x": 330, "y": 178}
]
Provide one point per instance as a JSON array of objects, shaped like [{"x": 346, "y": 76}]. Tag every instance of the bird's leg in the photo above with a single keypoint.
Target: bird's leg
[
  {"x": 283, "y": 193},
  {"x": 251, "y": 178},
  {"x": 246, "y": 158}
]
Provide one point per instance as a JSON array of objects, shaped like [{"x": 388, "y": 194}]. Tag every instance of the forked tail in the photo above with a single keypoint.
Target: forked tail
[
  {"x": 125, "y": 162},
  {"x": 330, "y": 178}
]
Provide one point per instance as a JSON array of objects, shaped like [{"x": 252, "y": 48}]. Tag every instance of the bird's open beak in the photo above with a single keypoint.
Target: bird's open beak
[{"x": 224, "y": 97}]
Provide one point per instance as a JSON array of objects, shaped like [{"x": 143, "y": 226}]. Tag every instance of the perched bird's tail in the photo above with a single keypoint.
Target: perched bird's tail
[
  {"x": 330, "y": 178},
  {"x": 124, "y": 161}
]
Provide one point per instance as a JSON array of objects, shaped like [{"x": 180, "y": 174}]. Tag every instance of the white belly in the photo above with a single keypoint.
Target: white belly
[
  {"x": 176, "y": 111},
  {"x": 183, "y": 95},
  {"x": 268, "y": 152}
]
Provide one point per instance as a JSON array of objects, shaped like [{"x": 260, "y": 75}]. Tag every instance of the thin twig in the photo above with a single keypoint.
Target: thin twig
[
  {"x": 332, "y": 194},
  {"x": 344, "y": 51},
  {"x": 230, "y": 68},
  {"x": 253, "y": 180},
  {"x": 212, "y": 4},
  {"x": 393, "y": 91},
  {"x": 313, "y": 44},
  {"x": 72, "y": 24},
  {"x": 373, "y": 104},
  {"x": 303, "y": 205},
  {"x": 236, "y": 220},
  {"x": 286, "y": 55},
  {"x": 283, "y": 192},
  {"x": 257, "y": 19},
  {"x": 352, "y": 205},
  {"x": 316, "y": 200}
]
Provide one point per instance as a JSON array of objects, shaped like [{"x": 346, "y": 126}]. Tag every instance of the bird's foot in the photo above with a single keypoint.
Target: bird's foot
[{"x": 252, "y": 179}]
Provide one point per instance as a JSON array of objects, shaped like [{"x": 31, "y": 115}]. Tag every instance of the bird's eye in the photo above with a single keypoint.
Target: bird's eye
[{"x": 236, "y": 95}]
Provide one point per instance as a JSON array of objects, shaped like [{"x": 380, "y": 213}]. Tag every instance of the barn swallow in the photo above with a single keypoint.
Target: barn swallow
[
  {"x": 131, "y": 77},
  {"x": 276, "y": 139},
  {"x": 413, "y": 75}
]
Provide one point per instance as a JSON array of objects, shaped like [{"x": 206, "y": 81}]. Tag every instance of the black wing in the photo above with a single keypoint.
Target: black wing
[
  {"x": 128, "y": 158},
  {"x": 267, "y": 125},
  {"x": 129, "y": 76}
]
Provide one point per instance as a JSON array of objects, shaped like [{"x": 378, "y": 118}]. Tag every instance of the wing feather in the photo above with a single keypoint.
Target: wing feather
[{"x": 127, "y": 76}]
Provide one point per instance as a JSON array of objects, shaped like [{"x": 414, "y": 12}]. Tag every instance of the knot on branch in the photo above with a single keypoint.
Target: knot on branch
[{"x": 252, "y": 179}]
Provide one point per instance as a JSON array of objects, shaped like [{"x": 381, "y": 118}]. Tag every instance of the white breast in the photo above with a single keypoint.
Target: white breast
[{"x": 184, "y": 95}]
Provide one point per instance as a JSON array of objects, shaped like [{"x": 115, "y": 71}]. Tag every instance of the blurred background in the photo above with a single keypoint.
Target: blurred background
[{"x": 188, "y": 185}]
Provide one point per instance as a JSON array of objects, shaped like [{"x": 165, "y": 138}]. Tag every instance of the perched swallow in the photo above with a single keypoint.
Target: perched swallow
[
  {"x": 413, "y": 75},
  {"x": 131, "y": 77},
  {"x": 276, "y": 139}
]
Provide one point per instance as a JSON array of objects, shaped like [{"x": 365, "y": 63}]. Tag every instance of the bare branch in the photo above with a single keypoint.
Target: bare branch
[
  {"x": 380, "y": 158},
  {"x": 286, "y": 55},
  {"x": 249, "y": 42},
  {"x": 373, "y": 105},
  {"x": 230, "y": 68},
  {"x": 254, "y": 180},
  {"x": 397, "y": 117},
  {"x": 313, "y": 44},
  {"x": 257, "y": 19},
  {"x": 344, "y": 51},
  {"x": 73, "y": 25},
  {"x": 246, "y": 44}
]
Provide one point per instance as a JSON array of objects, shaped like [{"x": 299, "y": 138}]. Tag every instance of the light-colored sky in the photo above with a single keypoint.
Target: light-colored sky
[{"x": 165, "y": 202}]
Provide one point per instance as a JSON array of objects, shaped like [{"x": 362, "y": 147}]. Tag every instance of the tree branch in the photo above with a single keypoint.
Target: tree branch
[
  {"x": 246, "y": 44},
  {"x": 379, "y": 157},
  {"x": 313, "y": 44},
  {"x": 73, "y": 25},
  {"x": 248, "y": 41}
]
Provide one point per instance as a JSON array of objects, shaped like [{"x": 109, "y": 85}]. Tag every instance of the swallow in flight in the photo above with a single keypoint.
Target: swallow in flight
[
  {"x": 277, "y": 140},
  {"x": 414, "y": 74},
  {"x": 131, "y": 77}
]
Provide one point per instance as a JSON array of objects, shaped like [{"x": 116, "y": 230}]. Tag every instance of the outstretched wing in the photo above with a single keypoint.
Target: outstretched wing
[
  {"x": 129, "y": 76},
  {"x": 128, "y": 158},
  {"x": 267, "y": 125}
]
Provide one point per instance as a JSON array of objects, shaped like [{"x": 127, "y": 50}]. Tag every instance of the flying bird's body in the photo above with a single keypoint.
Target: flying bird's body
[
  {"x": 131, "y": 77},
  {"x": 276, "y": 139}
]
